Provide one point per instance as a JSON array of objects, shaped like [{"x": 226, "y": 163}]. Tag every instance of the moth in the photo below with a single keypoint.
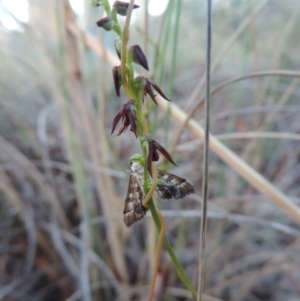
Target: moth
[{"x": 168, "y": 187}]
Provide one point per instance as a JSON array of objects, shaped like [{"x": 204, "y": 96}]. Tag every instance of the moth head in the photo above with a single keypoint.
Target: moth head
[
  {"x": 137, "y": 167},
  {"x": 137, "y": 163}
]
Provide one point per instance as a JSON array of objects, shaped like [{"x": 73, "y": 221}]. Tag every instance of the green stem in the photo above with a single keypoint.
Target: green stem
[
  {"x": 106, "y": 6},
  {"x": 180, "y": 271},
  {"x": 125, "y": 38}
]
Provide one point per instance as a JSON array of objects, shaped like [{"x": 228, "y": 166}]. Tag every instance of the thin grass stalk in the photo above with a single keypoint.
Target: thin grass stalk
[
  {"x": 174, "y": 49},
  {"x": 257, "y": 159},
  {"x": 205, "y": 161},
  {"x": 259, "y": 135},
  {"x": 167, "y": 119},
  {"x": 157, "y": 66},
  {"x": 160, "y": 57},
  {"x": 151, "y": 238}
]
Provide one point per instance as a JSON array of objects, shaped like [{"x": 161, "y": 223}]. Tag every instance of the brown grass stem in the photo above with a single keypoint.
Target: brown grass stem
[
  {"x": 157, "y": 254},
  {"x": 161, "y": 232}
]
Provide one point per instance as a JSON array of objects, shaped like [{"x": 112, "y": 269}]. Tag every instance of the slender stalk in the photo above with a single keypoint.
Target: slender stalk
[
  {"x": 174, "y": 49},
  {"x": 205, "y": 160},
  {"x": 180, "y": 271},
  {"x": 125, "y": 38},
  {"x": 162, "y": 54},
  {"x": 167, "y": 119},
  {"x": 161, "y": 232},
  {"x": 158, "y": 251},
  {"x": 153, "y": 186}
]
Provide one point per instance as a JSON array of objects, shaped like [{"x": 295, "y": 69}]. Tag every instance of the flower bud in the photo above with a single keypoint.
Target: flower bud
[
  {"x": 139, "y": 86},
  {"x": 138, "y": 56},
  {"x": 127, "y": 116},
  {"x": 117, "y": 78},
  {"x": 118, "y": 47},
  {"x": 107, "y": 23},
  {"x": 144, "y": 86},
  {"x": 122, "y": 7},
  {"x": 153, "y": 148}
]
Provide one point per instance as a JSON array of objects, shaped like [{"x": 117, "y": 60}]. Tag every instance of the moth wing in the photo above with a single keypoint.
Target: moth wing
[
  {"x": 133, "y": 208},
  {"x": 174, "y": 187}
]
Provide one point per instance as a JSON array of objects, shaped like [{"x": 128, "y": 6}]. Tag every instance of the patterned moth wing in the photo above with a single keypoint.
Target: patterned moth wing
[
  {"x": 169, "y": 187},
  {"x": 133, "y": 208},
  {"x": 174, "y": 186}
]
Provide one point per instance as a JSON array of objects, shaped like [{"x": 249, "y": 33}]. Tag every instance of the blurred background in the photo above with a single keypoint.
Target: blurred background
[{"x": 62, "y": 175}]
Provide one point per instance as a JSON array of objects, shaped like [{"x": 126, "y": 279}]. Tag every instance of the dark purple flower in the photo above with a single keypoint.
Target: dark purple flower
[
  {"x": 122, "y": 7},
  {"x": 138, "y": 56},
  {"x": 128, "y": 118},
  {"x": 144, "y": 86},
  {"x": 107, "y": 23},
  {"x": 153, "y": 155},
  {"x": 117, "y": 78}
]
